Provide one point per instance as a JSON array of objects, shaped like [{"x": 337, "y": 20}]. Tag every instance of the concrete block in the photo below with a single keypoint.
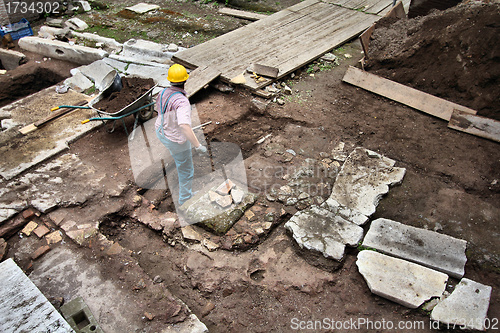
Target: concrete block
[
  {"x": 76, "y": 24},
  {"x": 399, "y": 280},
  {"x": 79, "y": 316},
  {"x": 59, "y": 50},
  {"x": 20, "y": 297},
  {"x": 11, "y": 59},
  {"x": 142, "y": 8},
  {"x": 440, "y": 252},
  {"x": 320, "y": 230},
  {"x": 466, "y": 307},
  {"x": 79, "y": 82},
  {"x": 363, "y": 179},
  {"x": 96, "y": 72}
]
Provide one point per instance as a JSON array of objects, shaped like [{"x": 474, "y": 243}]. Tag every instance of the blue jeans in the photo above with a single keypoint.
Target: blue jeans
[{"x": 183, "y": 159}]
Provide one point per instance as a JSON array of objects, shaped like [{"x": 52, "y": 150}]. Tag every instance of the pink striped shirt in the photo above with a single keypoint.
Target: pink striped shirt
[{"x": 178, "y": 112}]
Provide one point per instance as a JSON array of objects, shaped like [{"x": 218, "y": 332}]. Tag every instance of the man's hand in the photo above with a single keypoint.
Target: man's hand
[{"x": 201, "y": 150}]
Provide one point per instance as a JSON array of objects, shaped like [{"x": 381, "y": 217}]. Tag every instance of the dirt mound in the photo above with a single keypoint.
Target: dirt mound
[
  {"x": 451, "y": 54},
  {"x": 133, "y": 88}
]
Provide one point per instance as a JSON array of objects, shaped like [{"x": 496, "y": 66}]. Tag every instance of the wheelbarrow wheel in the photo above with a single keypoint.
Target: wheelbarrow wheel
[{"x": 145, "y": 114}]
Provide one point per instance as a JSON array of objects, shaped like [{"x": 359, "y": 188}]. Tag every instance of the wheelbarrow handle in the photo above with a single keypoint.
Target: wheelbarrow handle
[
  {"x": 85, "y": 121},
  {"x": 70, "y": 107}
]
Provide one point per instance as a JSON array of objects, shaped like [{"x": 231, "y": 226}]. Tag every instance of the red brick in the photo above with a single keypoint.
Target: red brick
[
  {"x": 40, "y": 252},
  {"x": 41, "y": 231},
  {"x": 29, "y": 213}
]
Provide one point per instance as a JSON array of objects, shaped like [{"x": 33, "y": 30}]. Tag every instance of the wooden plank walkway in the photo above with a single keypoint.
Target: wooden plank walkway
[{"x": 287, "y": 40}]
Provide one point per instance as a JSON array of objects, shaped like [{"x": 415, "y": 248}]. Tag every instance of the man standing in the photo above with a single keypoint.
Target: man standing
[{"x": 173, "y": 128}]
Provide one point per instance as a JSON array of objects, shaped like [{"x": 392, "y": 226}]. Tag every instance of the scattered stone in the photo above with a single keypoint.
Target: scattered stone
[
  {"x": 237, "y": 195},
  {"x": 330, "y": 57},
  {"x": 3, "y": 249},
  {"x": 140, "y": 285},
  {"x": 427, "y": 307},
  {"x": 249, "y": 215},
  {"x": 224, "y": 201},
  {"x": 213, "y": 196},
  {"x": 287, "y": 90},
  {"x": 11, "y": 59},
  {"x": 207, "y": 309},
  {"x": 28, "y": 229},
  {"x": 466, "y": 307},
  {"x": 157, "y": 279},
  {"x": 53, "y": 22},
  {"x": 85, "y": 5},
  {"x": 303, "y": 195},
  {"x": 142, "y": 8},
  {"x": 440, "y": 252},
  {"x": 211, "y": 246},
  {"x": 76, "y": 24},
  {"x": 400, "y": 281},
  {"x": 172, "y": 48},
  {"x": 272, "y": 89},
  {"x": 280, "y": 101},
  {"x": 41, "y": 231},
  {"x": 349, "y": 214},
  {"x": 114, "y": 249},
  {"x": 291, "y": 201},
  {"x": 225, "y": 187},
  {"x": 320, "y": 230},
  {"x": 137, "y": 200},
  {"x": 189, "y": 233},
  {"x": 363, "y": 179},
  {"x": 54, "y": 237},
  {"x": 149, "y": 316},
  {"x": 259, "y": 106},
  {"x": 40, "y": 252}
]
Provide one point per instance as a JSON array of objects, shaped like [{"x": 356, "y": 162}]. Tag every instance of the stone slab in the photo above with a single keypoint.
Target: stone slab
[
  {"x": 142, "y": 8},
  {"x": 350, "y": 214},
  {"x": 76, "y": 24},
  {"x": 79, "y": 82},
  {"x": 466, "y": 307},
  {"x": 158, "y": 74},
  {"x": 96, "y": 72},
  {"x": 59, "y": 50},
  {"x": 320, "y": 230},
  {"x": 363, "y": 179},
  {"x": 399, "y": 280},
  {"x": 440, "y": 252},
  {"x": 118, "y": 65},
  {"x": 11, "y": 59},
  {"x": 19, "y": 297}
]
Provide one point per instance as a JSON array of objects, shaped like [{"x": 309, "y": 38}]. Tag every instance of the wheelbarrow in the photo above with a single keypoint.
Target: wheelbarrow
[{"x": 142, "y": 108}]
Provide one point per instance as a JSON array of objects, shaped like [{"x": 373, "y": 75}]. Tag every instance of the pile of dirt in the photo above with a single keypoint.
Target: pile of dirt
[
  {"x": 452, "y": 54},
  {"x": 133, "y": 88}
]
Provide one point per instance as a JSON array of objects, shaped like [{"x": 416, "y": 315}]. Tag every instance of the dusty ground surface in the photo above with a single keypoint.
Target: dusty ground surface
[{"x": 451, "y": 186}]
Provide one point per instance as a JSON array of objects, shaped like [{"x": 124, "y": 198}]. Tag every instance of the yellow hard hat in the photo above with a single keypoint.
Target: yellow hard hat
[{"x": 177, "y": 73}]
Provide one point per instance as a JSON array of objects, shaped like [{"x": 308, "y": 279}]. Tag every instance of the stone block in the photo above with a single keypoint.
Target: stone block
[
  {"x": 158, "y": 74},
  {"x": 28, "y": 229},
  {"x": 79, "y": 82},
  {"x": 320, "y": 230},
  {"x": 79, "y": 316},
  {"x": 146, "y": 50},
  {"x": 96, "y": 72},
  {"x": 440, "y": 252},
  {"x": 11, "y": 59},
  {"x": 466, "y": 307},
  {"x": 59, "y": 50},
  {"x": 142, "y": 8},
  {"x": 363, "y": 179},
  {"x": 53, "y": 237},
  {"x": 76, "y": 24},
  {"x": 399, "y": 280}
]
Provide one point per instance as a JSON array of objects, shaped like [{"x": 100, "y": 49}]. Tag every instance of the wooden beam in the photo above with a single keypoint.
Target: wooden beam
[
  {"x": 242, "y": 14},
  {"x": 414, "y": 98},
  {"x": 475, "y": 125},
  {"x": 199, "y": 78}
]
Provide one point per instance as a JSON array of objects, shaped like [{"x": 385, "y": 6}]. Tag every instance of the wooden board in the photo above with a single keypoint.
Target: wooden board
[
  {"x": 367, "y": 6},
  {"x": 242, "y": 14},
  {"x": 400, "y": 93},
  {"x": 287, "y": 40},
  {"x": 476, "y": 125},
  {"x": 199, "y": 78}
]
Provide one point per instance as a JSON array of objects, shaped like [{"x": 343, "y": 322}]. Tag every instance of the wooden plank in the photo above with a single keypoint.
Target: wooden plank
[
  {"x": 242, "y": 14},
  {"x": 475, "y": 125},
  {"x": 400, "y": 93},
  {"x": 264, "y": 70},
  {"x": 199, "y": 78}
]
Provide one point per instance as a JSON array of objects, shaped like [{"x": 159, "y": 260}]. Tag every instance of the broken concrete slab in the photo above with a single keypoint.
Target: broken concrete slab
[
  {"x": 466, "y": 307},
  {"x": 59, "y": 50},
  {"x": 363, "y": 179},
  {"x": 76, "y": 24},
  {"x": 11, "y": 59},
  {"x": 142, "y": 8},
  {"x": 350, "y": 214},
  {"x": 440, "y": 252},
  {"x": 320, "y": 230},
  {"x": 79, "y": 82},
  {"x": 19, "y": 297},
  {"x": 118, "y": 65},
  {"x": 399, "y": 280}
]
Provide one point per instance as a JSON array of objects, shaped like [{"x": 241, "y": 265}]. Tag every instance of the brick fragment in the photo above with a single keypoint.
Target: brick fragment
[
  {"x": 41, "y": 231},
  {"x": 40, "y": 252}
]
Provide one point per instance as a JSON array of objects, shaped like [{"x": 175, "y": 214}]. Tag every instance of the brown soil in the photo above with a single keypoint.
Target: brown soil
[
  {"x": 133, "y": 88},
  {"x": 458, "y": 60}
]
